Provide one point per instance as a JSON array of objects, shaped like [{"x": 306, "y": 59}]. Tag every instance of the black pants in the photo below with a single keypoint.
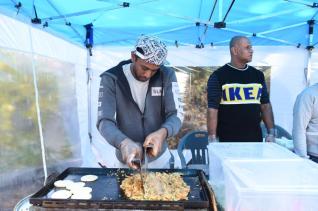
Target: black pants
[{"x": 313, "y": 158}]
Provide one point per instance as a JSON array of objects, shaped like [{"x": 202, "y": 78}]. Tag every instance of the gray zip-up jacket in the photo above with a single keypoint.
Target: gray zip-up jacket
[
  {"x": 305, "y": 122},
  {"x": 119, "y": 116}
]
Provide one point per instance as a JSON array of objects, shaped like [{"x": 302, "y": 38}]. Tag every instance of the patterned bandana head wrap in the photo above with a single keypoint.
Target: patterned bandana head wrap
[{"x": 151, "y": 49}]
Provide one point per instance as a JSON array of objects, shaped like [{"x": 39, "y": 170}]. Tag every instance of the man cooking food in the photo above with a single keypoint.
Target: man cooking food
[{"x": 139, "y": 104}]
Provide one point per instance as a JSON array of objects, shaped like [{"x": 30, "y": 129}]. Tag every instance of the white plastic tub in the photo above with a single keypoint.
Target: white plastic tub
[
  {"x": 219, "y": 152},
  {"x": 271, "y": 185}
]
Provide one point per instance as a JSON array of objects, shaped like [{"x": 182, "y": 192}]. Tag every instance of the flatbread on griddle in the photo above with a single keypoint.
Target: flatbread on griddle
[
  {"x": 79, "y": 190},
  {"x": 61, "y": 194},
  {"x": 70, "y": 186},
  {"x": 62, "y": 183},
  {"x": 89, "y": 178}
]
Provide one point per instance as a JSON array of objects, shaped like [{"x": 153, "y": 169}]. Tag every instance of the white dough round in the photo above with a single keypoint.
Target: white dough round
[
  {"x": 89, "y": 178},
  {"x": 73, "y": 185},
  {"x": 62, "y": 183},
  {"x": 80, "y": 190},
  {"x": 82, "y": 196},
  {"x": 61, "y": 194}
]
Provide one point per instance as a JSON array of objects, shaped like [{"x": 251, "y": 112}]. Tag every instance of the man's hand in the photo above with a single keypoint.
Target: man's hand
[
  {"x": 130, "y": 150},
  {"x": 212, "y": 139},
  {"x": 155, "y": 139},
  {"x": 270, "y": 137}
]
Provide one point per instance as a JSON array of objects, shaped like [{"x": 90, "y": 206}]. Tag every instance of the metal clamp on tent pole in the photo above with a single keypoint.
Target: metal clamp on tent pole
[
  {"x": 35, "y": 20},
  {"x": 310, "y": 47},
  {"x": 222, "y": 23},
  {"x": 18, "y": 6},
  {"x": 200, "y": 44},
  {"x": 89, "y": 41},
  {"x": 219, "y": 25},
  {"x": 125, "y": 4}
]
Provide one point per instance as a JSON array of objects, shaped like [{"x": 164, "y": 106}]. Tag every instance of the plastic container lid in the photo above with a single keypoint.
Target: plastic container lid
[
  {"x": 275, "y": 174},
  {"x": 250, "y": 150}
]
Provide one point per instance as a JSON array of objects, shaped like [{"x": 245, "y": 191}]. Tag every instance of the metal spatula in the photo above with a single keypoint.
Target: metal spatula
[
  {"x": 137, "y": 162},
  {"x": 142, "y": 169}
]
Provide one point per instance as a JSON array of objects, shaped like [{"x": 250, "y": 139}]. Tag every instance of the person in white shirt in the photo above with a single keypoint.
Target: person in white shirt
[{"x": 305, "y": 123}]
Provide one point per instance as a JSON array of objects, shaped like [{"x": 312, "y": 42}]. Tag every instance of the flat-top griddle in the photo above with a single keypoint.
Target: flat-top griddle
[{"x": 106, "y": 192}]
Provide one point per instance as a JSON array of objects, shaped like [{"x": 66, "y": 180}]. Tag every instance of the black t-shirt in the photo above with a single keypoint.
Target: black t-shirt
[{"x": 237, "y": 94}]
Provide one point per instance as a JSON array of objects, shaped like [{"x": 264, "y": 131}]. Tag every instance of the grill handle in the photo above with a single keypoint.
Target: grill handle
[
  {"x": 210, "y": 192},
  {"x": 51, "y": 178}
]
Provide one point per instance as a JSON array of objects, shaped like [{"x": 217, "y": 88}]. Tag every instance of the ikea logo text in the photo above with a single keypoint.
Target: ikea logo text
[{"x": 241, "y": 93}]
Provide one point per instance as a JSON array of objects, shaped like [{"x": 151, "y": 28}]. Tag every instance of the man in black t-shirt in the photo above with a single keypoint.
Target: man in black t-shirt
[{"x": 238, "y": 99}]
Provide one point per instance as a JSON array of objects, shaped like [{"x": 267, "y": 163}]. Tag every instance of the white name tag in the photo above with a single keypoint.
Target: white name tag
[{"x": 155, "y": 91}]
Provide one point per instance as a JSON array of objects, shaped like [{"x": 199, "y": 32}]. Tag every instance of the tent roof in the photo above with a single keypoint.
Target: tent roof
[{"x": 270, "y": 22}]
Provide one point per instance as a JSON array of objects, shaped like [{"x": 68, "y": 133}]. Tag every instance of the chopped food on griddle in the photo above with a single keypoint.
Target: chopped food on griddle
[{"x": 157, "y": 186}]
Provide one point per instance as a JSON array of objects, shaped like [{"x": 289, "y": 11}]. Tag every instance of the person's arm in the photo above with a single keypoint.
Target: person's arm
[
  {"x": 155, "y": 140},
  {"x": 214, "y": 92},
  {"x": 268, "y": 119},
  {"x": 173, "y": 114},
  {"x": 106, "y": 120},
  {"x": 301, "y": 116},
  {"x": 129, "y": 151},
  {"x": 173, "y": 106},
  {"x": 212, "y": 122},
  {"x": 107, "y": 125},
  {"x": 267, "y": 112}
]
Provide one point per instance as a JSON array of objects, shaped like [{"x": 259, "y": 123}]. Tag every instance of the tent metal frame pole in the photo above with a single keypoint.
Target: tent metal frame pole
[
  {"x": 304, "y": 3},
  {"x": 260, "y": 36},
  {"x": 89, "y": 108},
  {"x": 104, "y": 9},
  {"x": 64, "y": 17},
  {"x": 89, "y": 95},
  {"x": 283, "y": 28},
  {"x": 220, "y": 10},
  {"x": 313, "y": 17},
  {"x": 262, "y": 17},
  {"x": 195, "y": 20},
  {"x": 132, "y": 39},
  {"x": 96, "y": 153},
  {"x": 173, "y": 29},
  {"x": 180, "y": 43},
  {"x": 22, "y": 9},
  {"x": 308, "y": 69},
  {"x": 238, "y": 21},
  {"x": 228, "y": 10},
  {"x": 210, "y": 17},
  {"x": 171, "y": 14},
  {"x": 38, "y": 110},
  {"x": 276, "y": 40}
]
